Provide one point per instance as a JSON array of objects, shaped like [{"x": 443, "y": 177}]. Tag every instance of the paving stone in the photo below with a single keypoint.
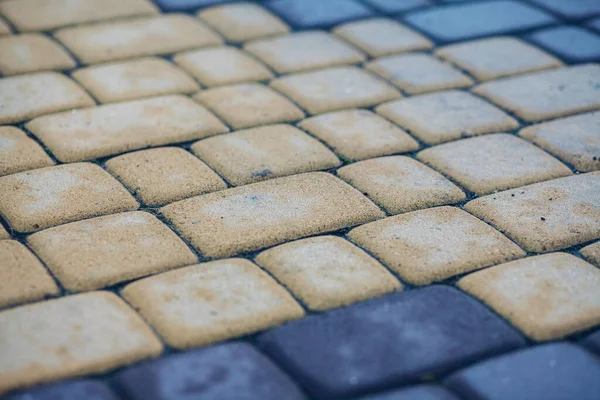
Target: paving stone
[
  {"x": 211, "y": 302},
  {"x": 306, "y": 14},
  {"x": 39, "y": 199},
  {"x": 138, "y": 37},
  {"x": 3, "y": 233},
  {"x": 33, "y": 52},
  {"x": 592, "y": 253},
  {"x": 359, "y": 134},
  {"x": 186, "y": 5},
  {"x": 383, "y": 343},
  {"x": 28, "y": 96},
  {"x": 334, "y": 89},
  {"x": 249, "y": 104},
  {"x": 574, "y": 140},
  {"x": 420, "y": 392},
  {"x": 115, "y": 128},
  {"x": 100, "y": 252},
  {"x": 164, "y": 175},
  {"x": 570, "y": 43},
  {"x": 545, "y": 216},
  {"x": 395, "y": 6},
  {"x": 552, "y": 371},
  {"x": 592, "y": 341},
  {"x": 80, "y": 389},
  {"x": 572, "y": 8},
  {"x": 548, "y": 94},
  {"x": 131, "y": 80},
  {"x": 20, "y": 153},
  {"x": 71, "y": 336},
  {"x": 439, "y": 117},
  {"x": 267, "y": 213}
]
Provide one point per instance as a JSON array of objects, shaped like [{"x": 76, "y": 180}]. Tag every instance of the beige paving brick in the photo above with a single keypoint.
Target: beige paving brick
[
  {"x": 547, "y": 94},
  {"x": 249, "y": 104},
  {"x": 327, "y": 272},
  {"x": 45, "y": 197},
  {"x": 32, "y": 52},
  {"x": 4, "y": 28},
  {"x": 493, "y": 162},
  {"x": 267, "y": 213},
  {"x": 139, "y": 37},
  {"x": 28, "y": 96},
  {"x": 400, "y": 184},
  {"x": 115, "y": 128},
  {"x": 439, "y": 117},
  {"x": 497, "y": 57},
  {"x": 224, "y": 65},
  {"x": 68, "y": 337},
  {"x": 434, "y": 244},
  {"x": 547, "y": 296},
  {"x": 257, "y": 154},
  {"x": 243, "y": 21},
  {"x": 335, "y": 89},
  {"x": 359, "y": 134},
  {"x": 164, "y": 175},
  {"x": 575, "y": 140},
  {"x": 129, "y": 80},
  {"x": 545, "y": 216},
  {"x": 3, "y": 233},
  {"x": 302, "y": 51},
  {"x": 592, "y": 253},
  {"x": 211, "y": 302},
  {"x": 24, "y": 278},
  {"x": 20, "y": 153}
]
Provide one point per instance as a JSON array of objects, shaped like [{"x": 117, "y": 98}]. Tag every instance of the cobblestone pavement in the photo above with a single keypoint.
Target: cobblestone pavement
[{"x": 300, "y": 199}]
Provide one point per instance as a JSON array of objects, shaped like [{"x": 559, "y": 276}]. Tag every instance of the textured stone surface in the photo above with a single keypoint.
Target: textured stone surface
[
  {"x": 186, "y": 5},
  {"x": 20, "y": 153},
  {"x": 393, "y": 6},
  {"x": 571, "y": 9},
  {"x": 592, "y": 253},
  {"x": 570, "y": 43},
  {"x": 30, "y": 53},
  {"x": 420, "y": 392},
  {"x": 79, "y": 389},
  {"x": 307, "y": 14},
  {"x": 592, "y": 341}
]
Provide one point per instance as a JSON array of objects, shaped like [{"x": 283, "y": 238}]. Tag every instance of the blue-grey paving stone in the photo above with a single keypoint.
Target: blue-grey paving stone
[
  {"x": 592, "y": 342},
  {"x": 234, "y": 371},
  {"x": 550, "y": 372},
  {"x": 70, "y": 390},
  {"x": 187, "y": 5},
  {"x": 396, "y": 6},
  {"x": 306, "y": 14},
  {"x": 386, "y": 342},
  {"x": 569, "y": 42},
  {"x": 469, "y": 20},
  {"x": 421, "y": 392},
  {"x": 594, "y": 24},
  {"x": 571, "y": 8}
]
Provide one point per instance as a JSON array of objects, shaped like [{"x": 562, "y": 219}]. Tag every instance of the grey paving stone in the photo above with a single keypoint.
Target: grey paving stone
[
  {"x": 306, "y": 14},
  {"x": 570, "y": 43},
  {"x": 396, "y": 6},
  {"x": 571, "y": 8},
  {"x": 186, "y": 5},
  {"x": 592, "y": 341},
  {"x": 69, "y": 390},
  {"x": 421, "y": 392}
]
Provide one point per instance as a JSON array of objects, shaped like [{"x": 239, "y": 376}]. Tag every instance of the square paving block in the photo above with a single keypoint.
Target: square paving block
[
  {"x": 327, "y": 271},
  {"x": 545, "y": 216},
  {"x": 211, "y": 302},
  {"x": 570, "y": 43},
  {"x": 494, "y": 162},
  {"x": 306, "y": 14},
  {"x": 267, "y": 213},
  {"x": 20, "y": 153},
  {"x": 571, "y": 9},
  {"x": 400, "y": 184},
  {"x": 100, "y": 252},
  {"x": 69, "y": 390},
  {"x": 418, "y": 392},
  {"x": 38, "y": 199},
  {"x": 164, "y": 175},
  {"x": 116, "y": 128},
  {"x": 434, "y": 244},
  {"x": 335, "y": 89},
  {"x": 131, "y": 80},
  {"x": 249, "y": 104},
  {"x": 384, "y": 343},
  {"x": 547, "y": 94},
  {"x": 440, "y": 117},
  {"x": 71, "y": 336},
  {"x": 116, "y": 40},
  {"x": 257, "y": 154},
  {"x": 33, "y": 52},
  {"x": 359, "y": 134},
  {"x": 592, "y": 253},
  {"x": 395, "y": 6}
]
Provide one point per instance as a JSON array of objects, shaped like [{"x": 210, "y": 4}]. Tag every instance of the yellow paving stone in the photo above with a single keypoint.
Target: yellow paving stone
[
  {"x": 115, "y": 128},
  {"x": 38, "y": 199},
  {"x": 434, "y": 244},
  {"x": 116, "y": 40},
  {"x": 20, "y": 153},
  {"x": 547, "y": 296},
  {"x": 545, "y": 216},
  {"x": 223, "y": 65},
  {"x": 267, "y": 213},
  {"x": 32, "y": 52},
  {"x": 249, "y": 104},
  {"x": 27, "y": 96},
  {"x": 592, "y": 253},
  {"x": 72, "y": 336},
  {"x": 493, "y": 162},
  {"x": 103, "y": 251},
  {"x": 327, "y": 271},
  {"x": 24, "y": 278},
  {"x": 497, "y": 57},
  {"x": 575, "y": 140},
  {"x": 302, "y": 51},
  {"x": 439, "y": 117},
  {"x": 3, "y": 233},
  {"x": 257, "y": 154},
  {"x": 4, "y": 28},
  {"x": 210, "y": 302},
  {"x": 129, "y": 80},
  {"x": 335, "y": 89},
  {"x": 547, "y": 94},
  {"x": 400, "y": 184},
  {"x": 164, "y": 175}
]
